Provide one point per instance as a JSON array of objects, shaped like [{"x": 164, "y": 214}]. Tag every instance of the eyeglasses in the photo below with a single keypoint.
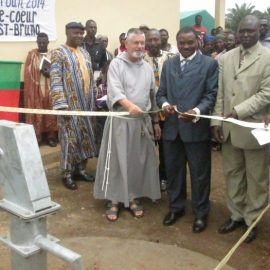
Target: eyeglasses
[{"x": 263, "y": 25}]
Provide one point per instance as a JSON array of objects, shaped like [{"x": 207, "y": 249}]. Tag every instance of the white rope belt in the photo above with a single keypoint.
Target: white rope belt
[{"x": 108, "y": 160}]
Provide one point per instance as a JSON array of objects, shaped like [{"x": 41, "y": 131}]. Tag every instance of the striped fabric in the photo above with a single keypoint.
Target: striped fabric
[{"x": 76, "y": 133}]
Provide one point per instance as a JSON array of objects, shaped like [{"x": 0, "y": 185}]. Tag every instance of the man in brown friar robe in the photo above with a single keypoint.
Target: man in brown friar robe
[{"x": 37, "y": 92}]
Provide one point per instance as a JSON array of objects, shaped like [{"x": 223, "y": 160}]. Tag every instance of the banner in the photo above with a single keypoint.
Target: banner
[
  {"x": 10, "y": 88},
  {"x": 22, "y": 20}
]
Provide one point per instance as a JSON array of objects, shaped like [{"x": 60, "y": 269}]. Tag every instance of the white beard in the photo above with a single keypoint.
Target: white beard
[{"x": 137, "y": 54}]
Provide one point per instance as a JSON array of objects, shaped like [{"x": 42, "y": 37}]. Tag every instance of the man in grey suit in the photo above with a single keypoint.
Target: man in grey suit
[
  {"x": 190, "y": 82},
  {"x": 244, "y": 94}
]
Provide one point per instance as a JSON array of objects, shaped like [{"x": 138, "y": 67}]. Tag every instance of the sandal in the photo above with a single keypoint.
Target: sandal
[
  {"x": 111, "y": 212},
  {"x": 135, "y": 209}
]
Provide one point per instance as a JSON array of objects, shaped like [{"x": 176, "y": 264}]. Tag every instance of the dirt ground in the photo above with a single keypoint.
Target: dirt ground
[{"x": 83, "y": 216}]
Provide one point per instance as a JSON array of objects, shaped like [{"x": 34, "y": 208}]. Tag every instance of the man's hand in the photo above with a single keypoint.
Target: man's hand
[
  {"x": 217, "y": 133},
  {"x": 232, "y": 114},
  {"x": 157, "y": 132},
  {"x": 130, "y": 107},
  {"x": 134, "y": 110},
  {"x": 266, "y": 120},
  {"x": 168, "y": 110},
  {"x": 187, "y": 118}
]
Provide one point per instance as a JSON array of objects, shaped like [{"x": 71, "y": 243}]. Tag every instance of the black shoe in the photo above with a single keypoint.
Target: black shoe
[
  {"x": 230, "y": 226},
  {"x": 83, "y": 176},
  {"x": 51, "y": 142},
  {"x": 251, "y": 236},
  {"x": 69, "y": 183},
  {"x": 199, "y": 225},
  {"x": 163, "y": 185},
  {"x": 171, "y": 218}
]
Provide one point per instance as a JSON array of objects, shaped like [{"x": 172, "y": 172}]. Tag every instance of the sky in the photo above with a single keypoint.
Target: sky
[{"x": 209, "y": 5}]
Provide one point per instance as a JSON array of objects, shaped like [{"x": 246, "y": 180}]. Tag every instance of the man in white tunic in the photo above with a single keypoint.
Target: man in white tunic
[{"x": 127, "y": 166}]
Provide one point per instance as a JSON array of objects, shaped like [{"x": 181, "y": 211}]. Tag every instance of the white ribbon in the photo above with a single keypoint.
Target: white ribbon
[
  {"x": 87, "y": 113},
  {"x": 237, "y": 122},
  {"x": 231, "y": 120},
  {"x": 60, "y": 112}
]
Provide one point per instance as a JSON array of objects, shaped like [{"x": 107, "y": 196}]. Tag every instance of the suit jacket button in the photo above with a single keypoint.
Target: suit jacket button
[
  {"x": 235, "y": 77},
  {"x": 233, "y": 94},
  {"x": 181, "y": 76}
]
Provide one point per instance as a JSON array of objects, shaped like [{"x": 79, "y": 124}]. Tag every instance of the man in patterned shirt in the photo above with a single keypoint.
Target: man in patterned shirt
[
  {"x": 72, "y": 89},
  {"x": 156, "y": 57}
]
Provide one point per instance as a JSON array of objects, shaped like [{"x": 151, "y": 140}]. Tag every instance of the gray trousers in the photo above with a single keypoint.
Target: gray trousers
[{"x": 247, "y": 179}]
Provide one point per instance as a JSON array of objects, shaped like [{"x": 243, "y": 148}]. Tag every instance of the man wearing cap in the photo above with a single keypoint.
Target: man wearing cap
[
  {"x": 220, "y": 44},
  {"x": 144, "y": 28},
  {"x": 209, "y": 45},
  {"x": 105, "y": 41},
  {"x": 94, "y": 46},
  {"x": 72, "y": 90},
  {"x": 229, "y": 43}
]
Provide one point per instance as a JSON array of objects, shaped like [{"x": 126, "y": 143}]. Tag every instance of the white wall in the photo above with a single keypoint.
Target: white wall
[{"x": 112, "y": 17}]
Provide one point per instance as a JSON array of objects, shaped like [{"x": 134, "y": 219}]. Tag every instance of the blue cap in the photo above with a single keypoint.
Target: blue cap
[{"x": 209, "y": 39}]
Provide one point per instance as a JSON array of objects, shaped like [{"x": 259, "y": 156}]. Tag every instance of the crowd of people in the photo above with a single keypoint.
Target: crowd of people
[{"x": 164, "y": 89}]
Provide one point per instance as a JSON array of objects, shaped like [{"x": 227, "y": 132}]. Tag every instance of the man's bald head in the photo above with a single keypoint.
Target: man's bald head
[
  {"x": 249, "y": 31},
  {"x": 152, "y": 31},
  {"x": 252, "y": 19}
]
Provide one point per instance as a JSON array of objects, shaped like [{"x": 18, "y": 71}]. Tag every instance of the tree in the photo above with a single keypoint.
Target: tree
[
  {"x": 236, "y": 14},
  {"x": 266, "y": 14}
]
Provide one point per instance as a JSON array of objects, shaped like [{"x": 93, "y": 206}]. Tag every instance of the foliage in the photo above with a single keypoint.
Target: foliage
[
  {"x": 236, "y": 14},
  {"x": 266, "y": 14}
]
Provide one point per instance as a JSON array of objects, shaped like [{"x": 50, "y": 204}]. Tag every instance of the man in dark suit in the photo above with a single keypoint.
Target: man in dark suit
[{"x": 190, "y": 82}]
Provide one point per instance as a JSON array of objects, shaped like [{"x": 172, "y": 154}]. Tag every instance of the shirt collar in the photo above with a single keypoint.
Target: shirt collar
[
  {"x": 95, "y": 40},
  {"x": 189, "y": 58},
  {"x": 249, "y": 50}
]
